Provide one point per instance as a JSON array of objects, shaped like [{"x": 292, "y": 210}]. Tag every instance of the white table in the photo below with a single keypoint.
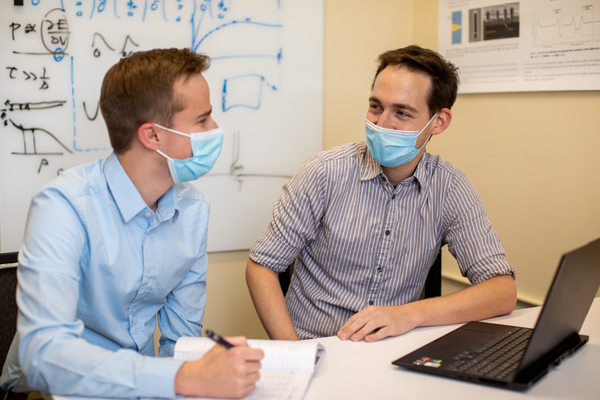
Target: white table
[
  {"x": 364, "y": 370},
  {"x": 353, "y": 371}
]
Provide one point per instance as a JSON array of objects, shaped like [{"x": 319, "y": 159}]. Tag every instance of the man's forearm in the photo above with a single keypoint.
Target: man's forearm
[
  {"x": 269, "y": 302},
  {"x": 488, "y": 299},
  {"x": 496, "y": 296}
]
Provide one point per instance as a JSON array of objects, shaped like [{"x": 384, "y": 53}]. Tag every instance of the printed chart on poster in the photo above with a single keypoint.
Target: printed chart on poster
[
  {"x": 266, "y": 91},
  {"x": 527, "y": 45}
]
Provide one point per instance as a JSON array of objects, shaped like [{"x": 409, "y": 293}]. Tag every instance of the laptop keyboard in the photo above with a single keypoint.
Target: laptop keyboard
[{"x": 497, "y": 359}]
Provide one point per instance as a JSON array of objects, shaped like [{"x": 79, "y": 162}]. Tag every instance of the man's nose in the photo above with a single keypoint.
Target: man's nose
[
  {"x": 212, "y": 124},
  {"x": 384, "y": 120}
]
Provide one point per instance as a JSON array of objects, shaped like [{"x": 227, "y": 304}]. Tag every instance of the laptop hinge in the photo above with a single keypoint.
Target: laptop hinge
[{"x": 539, "y": 368}]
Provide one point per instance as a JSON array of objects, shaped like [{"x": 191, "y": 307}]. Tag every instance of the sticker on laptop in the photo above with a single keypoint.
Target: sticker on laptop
[{"x": 428, "y": 362}]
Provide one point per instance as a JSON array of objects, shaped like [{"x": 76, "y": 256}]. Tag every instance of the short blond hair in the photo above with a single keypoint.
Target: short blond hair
[{"x": 139, "y": 89}]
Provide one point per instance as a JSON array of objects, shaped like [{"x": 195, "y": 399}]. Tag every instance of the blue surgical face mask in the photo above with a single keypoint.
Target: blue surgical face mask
[
  {"x": 390, "y": 147},
  {"x": 206, "y": 147}
]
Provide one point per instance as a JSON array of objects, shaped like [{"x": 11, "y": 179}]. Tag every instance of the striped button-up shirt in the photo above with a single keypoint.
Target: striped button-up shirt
[{"x": 359, "y": 241}]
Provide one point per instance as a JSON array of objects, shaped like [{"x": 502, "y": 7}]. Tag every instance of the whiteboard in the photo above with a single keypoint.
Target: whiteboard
[{"x": 266, "y": 81}]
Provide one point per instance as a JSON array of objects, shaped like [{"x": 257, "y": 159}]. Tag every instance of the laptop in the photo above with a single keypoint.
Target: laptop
[{"x": 473, "y": 352}]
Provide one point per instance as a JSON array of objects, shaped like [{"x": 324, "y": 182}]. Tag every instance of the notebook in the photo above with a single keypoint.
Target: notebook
[
  {"x": 474, "y": 351},
  {"x": 286, "y": 369}
]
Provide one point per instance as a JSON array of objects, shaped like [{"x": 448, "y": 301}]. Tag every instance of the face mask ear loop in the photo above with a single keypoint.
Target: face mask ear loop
[
  {"x": 427, "y": 141},
  {"x": 163, "y": 154},
  {"x": 173, "y": 131},
  {"x": 425, "y": 127},
  {"x": 430, "y": 135}
]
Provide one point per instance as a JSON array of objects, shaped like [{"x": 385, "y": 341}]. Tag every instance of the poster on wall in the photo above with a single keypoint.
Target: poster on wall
[{"x": 527, "y": 45}]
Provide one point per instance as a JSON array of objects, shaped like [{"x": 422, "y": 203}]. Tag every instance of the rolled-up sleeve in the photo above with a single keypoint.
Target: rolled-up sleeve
[
  {"x": 470, "y": 236},
  {"x": 296, "y": 218}
]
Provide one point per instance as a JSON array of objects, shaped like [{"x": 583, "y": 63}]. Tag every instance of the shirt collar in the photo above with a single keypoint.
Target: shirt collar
[
  {"x": 127, "y": 198},
  {"x": 168, "y": 206},
  {"x": 420, "y": 174},
  {"x": 370, "y": 169}
]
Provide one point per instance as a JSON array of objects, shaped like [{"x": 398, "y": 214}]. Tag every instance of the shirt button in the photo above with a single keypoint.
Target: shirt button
[
  {"x": 370, "y": 302},
  {"x": 379, "y": 269},
  {"x": 393, "y": 196},
  {"x": 387, "y": 232},
  {"x": 148, "y": 214}
]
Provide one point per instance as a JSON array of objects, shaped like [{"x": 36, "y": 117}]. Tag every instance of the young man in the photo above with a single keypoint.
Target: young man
[
  {"x": 364, "y": 223},
  {"x": 112, "y": 244}
]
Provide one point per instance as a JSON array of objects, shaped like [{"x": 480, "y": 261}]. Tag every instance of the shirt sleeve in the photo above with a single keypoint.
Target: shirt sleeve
[
  {"x": 470, "y": 236},
  {"x": 296, "y": 218},
  {"x": 53, "y": 354}
]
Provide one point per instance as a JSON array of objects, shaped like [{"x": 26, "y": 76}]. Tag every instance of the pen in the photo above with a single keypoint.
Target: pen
[{"x": 218, "y": 338}]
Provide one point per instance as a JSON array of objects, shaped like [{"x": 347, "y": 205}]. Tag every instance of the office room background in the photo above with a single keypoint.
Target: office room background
[{"x": 532, "y": 156}]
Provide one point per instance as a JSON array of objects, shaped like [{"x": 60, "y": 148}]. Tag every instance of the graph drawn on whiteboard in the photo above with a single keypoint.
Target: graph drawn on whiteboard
[{"x": 266, "y": 69}]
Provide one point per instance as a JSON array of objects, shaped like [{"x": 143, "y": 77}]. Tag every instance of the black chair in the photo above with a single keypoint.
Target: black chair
[
  {"x": 432, "y": 288},
  {"x": 285, "y": 278},
  {"x": 8, "y": 302},
  {"x": 433, "y": 283}
]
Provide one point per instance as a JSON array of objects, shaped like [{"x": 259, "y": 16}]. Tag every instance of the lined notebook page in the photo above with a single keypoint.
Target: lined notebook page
[{"x": 285, "y": 371}]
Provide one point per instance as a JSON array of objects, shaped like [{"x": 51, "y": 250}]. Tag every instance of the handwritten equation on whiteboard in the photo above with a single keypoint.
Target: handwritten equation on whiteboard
[
  {"x": 266, "y": 71},
  {"x": 58, "y": 51}
]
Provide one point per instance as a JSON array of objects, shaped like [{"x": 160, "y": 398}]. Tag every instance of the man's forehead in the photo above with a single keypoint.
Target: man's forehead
[
  {"x": 399, "y": 78},
  {"x": 401, "y": 71}
]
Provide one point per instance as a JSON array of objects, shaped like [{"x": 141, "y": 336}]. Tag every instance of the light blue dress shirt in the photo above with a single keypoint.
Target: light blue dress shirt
[{"x": 97, "y": 267}]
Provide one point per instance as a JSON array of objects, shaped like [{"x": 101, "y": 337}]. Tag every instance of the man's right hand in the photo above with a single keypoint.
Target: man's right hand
[{"x": 221, "y": 372}]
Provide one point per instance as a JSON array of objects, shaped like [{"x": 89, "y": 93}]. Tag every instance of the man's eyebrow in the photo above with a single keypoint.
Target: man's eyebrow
[
  {"x": 400, "y": 106},
  {"x": 205, "y": 114},
  {"x": 374, "y": 99}
]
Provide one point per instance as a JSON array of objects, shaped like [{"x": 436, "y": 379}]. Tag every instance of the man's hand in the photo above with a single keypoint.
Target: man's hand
[
  {"x": 496, "y": 296},
  {"x": 374, "y": 323},
  {"x": 221, "y": 372}
]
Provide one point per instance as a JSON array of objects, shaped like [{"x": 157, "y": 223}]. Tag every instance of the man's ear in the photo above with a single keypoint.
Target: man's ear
[
  {"x": 148, "y": 136},
  {"x": 442, "y": 121}
]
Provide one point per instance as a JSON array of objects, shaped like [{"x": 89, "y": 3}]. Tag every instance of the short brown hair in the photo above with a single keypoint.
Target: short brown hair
[
  {"x": 139, "y": 89},
  {"x": 444, "y": 75}
]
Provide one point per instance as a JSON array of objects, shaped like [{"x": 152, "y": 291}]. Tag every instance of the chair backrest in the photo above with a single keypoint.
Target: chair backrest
[
  {"x": 433, "y": 283},
  {"x": 8, "y": 302},
  {"x": 432, "y": 288},
  {"x": 285, "y": 278}
]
